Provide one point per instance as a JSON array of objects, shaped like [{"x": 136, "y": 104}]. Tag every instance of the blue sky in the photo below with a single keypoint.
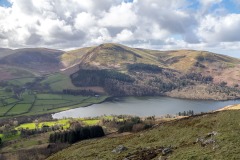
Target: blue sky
[
  {"x": 210, "y": 25},
  {"x": 232, "y": 6},
  {"x": 5, "y": 3}
]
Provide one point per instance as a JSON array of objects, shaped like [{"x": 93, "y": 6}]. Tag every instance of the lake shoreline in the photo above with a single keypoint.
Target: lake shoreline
[
  {"x": 182, "y": 98},
  {"x": 112, "y": 99},
  {"x": 230, "y": 107},
  {"x": 144, "y": 106}
]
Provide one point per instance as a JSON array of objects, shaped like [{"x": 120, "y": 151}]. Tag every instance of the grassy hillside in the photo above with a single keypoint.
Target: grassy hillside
[
  {"x": 5, "y": 51},
  {"x": 110, "y": 56},
  {"x": 58, "y": 82},
  {"x": 8, "y": 72},
  {"x": 117, "y": 57},
  {"x": 180, "y": 135},
  {"x": 37, "y": 59},
  {"x": 74, "y": 57},
  {"x": 173, "y": 80}
]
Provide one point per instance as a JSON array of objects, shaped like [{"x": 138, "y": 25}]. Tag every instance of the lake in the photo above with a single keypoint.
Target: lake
[{"x": 145, "y": 106}]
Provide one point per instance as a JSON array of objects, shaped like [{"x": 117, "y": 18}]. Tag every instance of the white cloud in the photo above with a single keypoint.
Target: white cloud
[
  {"x": 103, "y": 36},
  {"x": 119, "y": 16},
  {"x": 125, "y": 35},
  {"x": 220, "y": 29},
  {"x": 161, "y": 24},
  {"x": 84, "y": 20}
]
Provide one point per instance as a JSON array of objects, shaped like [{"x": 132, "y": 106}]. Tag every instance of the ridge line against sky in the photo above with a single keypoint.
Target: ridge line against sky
[{"x": 211, "y": 25}]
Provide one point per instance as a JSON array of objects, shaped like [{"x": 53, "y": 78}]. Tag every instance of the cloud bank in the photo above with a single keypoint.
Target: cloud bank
[{"x": 161, "y": 24}]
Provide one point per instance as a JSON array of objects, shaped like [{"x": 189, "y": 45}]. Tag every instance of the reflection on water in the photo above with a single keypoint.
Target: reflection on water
[{"x": 145, "y": 106}]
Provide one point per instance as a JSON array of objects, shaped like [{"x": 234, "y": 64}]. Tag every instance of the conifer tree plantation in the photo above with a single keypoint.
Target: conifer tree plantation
[{"x": 78, "y": 134}]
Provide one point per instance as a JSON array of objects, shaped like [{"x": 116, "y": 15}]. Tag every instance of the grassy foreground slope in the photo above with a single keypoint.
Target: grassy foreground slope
[{"x": 180, "y": 134}]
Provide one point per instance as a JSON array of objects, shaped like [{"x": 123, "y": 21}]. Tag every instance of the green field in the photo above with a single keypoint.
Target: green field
[
  {"x": 91, "y": 122},
  {"x": 32, "y": 101},
  {"x": 49, "y": 96},
  {"x": 83, "y": 101},
  {"x": 63, "y": 122},
  {"x": 50, "y": 102},
  {"x": 58, "y": 82},
  {"x": 4, "y": 109},
  {"x": 21, "y": 81},
  {"x": 43, "y": 103},
  {"x": 11, "y": 100},
  {"x": 75, "y": 98},
  {"x": 4, "y": 94},
  {"x": 19, "y": 109},
  {"x": 28, "y": 98}
]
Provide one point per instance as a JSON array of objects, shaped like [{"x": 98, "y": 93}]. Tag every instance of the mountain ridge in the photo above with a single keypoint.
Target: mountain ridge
[
  {"x": 103, "y": 48},
  {"x": 105, "y": 56},
  {"x": 180, "y": 71},
  {"x": 39, "y": 60}
]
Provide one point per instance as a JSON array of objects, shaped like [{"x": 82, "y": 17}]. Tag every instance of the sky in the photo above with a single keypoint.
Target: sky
[{"x": 212, "y": 25}]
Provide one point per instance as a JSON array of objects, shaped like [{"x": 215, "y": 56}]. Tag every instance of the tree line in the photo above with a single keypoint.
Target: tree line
[
  {"x": 77, "y": 134},
  {"x": 198, "y": 77},
  {"x": 97, "y": 77},
  {"x": 144, "y": 67},
  {"x": 186, "y": 113},
  {"x": 79, "y": 92}
]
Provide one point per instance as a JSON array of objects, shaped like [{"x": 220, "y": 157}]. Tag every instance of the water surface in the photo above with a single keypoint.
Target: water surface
[{"x": 145, "y": 106}]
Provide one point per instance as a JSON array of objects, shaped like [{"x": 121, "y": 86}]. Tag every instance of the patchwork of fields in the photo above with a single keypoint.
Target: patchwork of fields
[
  {"x": 43, "y": 103},
  {"x": 33, "y": 102}
]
